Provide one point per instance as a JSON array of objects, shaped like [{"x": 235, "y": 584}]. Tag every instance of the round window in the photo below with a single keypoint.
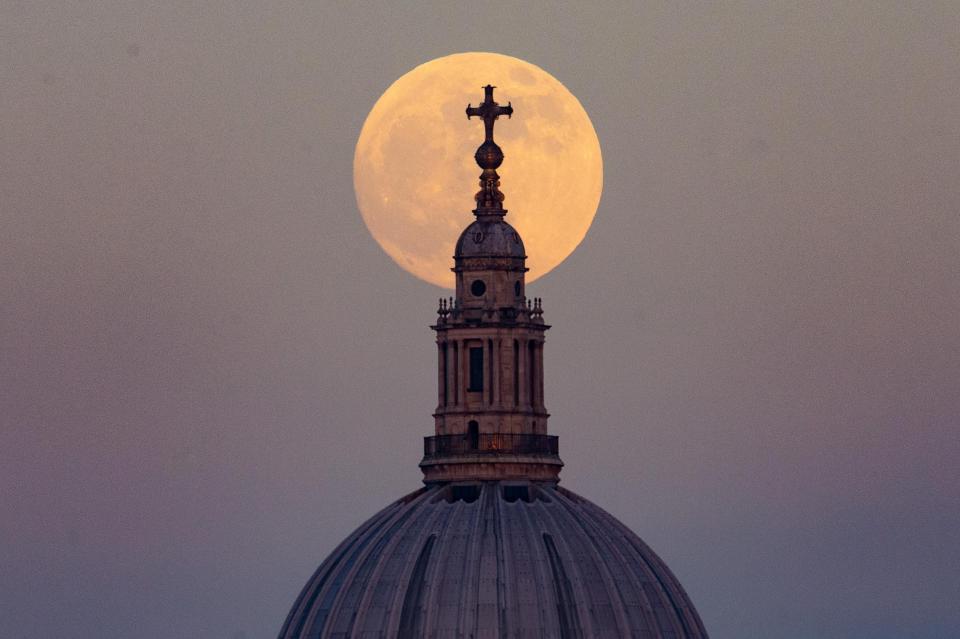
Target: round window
[
  {"x": 478, "y": 288},
  {"x": 516, "y": 288}
]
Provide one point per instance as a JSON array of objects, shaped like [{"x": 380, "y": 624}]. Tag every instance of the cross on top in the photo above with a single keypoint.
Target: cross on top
[{"x": 489, "y": 111}]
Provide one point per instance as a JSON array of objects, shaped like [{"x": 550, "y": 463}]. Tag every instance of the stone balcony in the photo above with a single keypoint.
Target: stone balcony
[
  {"x": 490, "y": 457},
  {"x": 490, "y": 444}
]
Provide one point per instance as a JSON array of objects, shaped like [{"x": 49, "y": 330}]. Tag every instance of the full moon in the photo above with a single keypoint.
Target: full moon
[{"x": 415, "y": 176}]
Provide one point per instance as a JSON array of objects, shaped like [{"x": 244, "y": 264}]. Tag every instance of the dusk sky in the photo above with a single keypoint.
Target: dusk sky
[{"x": 210, "y": 373}]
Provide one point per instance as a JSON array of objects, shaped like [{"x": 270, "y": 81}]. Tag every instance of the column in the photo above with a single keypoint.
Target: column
[
  {"x": 540, "y": 376},
  {"x": 522, "y": 374},
  {"x": 461, "y": 378},
  {"x": 454, "y": 348},
  {"x": 498, "y": 375},
  {"x": 441, "y": 374},
  {"x": 487, "y": 367}
]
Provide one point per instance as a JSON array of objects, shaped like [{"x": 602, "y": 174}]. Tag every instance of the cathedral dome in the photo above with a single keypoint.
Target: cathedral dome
[
  {"x": 493, "y": 559},
  {"x": 490, "y": 238}
]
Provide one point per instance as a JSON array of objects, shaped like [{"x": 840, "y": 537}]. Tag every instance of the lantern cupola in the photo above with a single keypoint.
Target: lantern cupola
[{"x": 490, "y": 421}]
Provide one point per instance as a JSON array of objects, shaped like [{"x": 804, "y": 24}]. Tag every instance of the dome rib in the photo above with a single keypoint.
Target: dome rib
[
  {"x": 566, "y": 602},
  {"x": 550, "y": 619},
  {"x": 469, "y": 595},
  {"x": 617, "y": 556},
  {"x": 384, "y": 598},
  {"x": 637, "y": 609},
  {"x": 605, "y": 570},
  {"x": 521, "y": 592},
  {"x": 655, "y": 566},
  {"x": 328, "y": 591},
  {"x": 413, "y": 599},
  {"x": 497, "y": 564},
  {"x": 444, "y": 604},
  {"x": 589, "y": 575},
  {"x": 304, "y": 610},
  {"x": 348, "y": 601},
  {"x": 676, "y": 596}
]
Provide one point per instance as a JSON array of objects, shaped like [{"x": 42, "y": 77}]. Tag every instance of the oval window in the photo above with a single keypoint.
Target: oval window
[{"x": 478, "y": 288}]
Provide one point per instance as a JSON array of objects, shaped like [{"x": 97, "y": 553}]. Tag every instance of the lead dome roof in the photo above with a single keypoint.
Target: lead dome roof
[
  {"x": 490, "y": 238},
  {"x": 493, "y": 560}
]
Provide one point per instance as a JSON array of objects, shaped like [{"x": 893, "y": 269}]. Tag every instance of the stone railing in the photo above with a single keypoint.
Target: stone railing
[{"x": 490, "y": 444}]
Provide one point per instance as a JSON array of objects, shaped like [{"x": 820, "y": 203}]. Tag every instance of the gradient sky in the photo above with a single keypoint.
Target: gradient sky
[{"x": 210, "y": 373}]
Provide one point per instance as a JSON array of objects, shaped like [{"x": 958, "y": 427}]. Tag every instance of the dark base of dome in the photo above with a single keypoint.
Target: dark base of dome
[{"x": 485, "y": 468}]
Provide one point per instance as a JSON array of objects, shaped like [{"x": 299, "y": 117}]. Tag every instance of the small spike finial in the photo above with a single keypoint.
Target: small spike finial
[{"x": 489, "y": 156}]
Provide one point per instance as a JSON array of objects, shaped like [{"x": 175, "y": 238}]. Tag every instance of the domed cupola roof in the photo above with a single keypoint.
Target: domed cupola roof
[
  {"x": 490, "y": 238},
  {"x": 493, "y": 559}
]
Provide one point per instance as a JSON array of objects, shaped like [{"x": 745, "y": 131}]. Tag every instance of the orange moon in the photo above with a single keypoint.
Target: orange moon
[{"x": 415, "y": 176}]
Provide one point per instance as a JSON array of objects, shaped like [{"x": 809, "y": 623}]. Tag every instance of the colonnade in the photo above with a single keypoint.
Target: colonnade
[{"x": 511, "y": 375}]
